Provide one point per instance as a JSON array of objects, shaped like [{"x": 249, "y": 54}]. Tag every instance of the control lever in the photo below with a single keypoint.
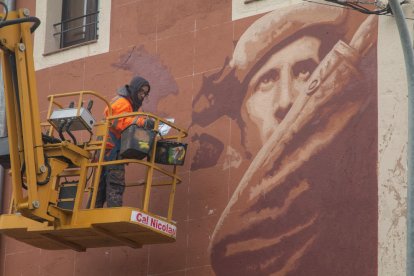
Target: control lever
[{"x": 90, "y": 104}]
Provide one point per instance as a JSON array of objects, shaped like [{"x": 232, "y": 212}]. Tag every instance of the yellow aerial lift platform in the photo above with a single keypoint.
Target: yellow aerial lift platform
[{"x": 54, "y": 179}]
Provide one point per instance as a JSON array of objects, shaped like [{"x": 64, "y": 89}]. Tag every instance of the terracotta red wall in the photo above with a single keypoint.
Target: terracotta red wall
[{"x": 270, "y": 186}]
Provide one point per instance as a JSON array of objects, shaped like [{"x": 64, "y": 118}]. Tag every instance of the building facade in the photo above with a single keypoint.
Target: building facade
[{"x": 297, "y": 118}]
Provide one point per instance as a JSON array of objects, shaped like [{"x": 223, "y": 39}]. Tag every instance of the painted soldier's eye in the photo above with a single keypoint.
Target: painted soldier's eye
[
  {"x": 303, "y": 69},
  {"x": 267, "y": 80}
]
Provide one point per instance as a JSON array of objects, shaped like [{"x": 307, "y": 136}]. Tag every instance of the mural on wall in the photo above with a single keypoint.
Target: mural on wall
[{"x": 301, "y": 87}]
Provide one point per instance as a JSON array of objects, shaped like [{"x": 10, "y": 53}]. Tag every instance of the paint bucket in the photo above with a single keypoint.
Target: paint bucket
[
  {"x": 136, "y": 142},
  {"x": 170, "y": 153}
]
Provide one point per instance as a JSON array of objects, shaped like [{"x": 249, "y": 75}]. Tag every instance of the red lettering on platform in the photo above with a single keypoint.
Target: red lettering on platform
[
  {"x": 139, "y": 217},
  {"x": 154, "y": 223}
]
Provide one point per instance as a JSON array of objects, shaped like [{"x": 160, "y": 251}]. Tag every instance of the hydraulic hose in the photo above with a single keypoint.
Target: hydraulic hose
[{"x": 32, "y": 19}]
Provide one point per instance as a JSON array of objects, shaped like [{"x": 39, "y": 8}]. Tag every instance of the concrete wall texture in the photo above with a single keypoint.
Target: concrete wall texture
[{"x": 297, "y": 139}]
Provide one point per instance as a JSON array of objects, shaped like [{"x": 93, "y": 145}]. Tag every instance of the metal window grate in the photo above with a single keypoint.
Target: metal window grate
[{"x": 85, "y": 31}]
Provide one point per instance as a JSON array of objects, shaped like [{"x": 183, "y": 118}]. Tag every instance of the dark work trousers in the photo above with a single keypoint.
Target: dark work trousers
[{"x": 111, "y": 186}]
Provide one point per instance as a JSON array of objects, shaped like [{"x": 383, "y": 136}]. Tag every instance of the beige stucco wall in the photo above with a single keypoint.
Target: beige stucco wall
[
  {"x": 241, "y": 10},
  {"x": 392, "y": 139}
]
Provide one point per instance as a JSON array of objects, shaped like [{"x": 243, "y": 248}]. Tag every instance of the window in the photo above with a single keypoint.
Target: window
[
  {"x": 51, "y": 47},
  {"x": 246, "y": 8},
  {"x": 79, "y": 22}
]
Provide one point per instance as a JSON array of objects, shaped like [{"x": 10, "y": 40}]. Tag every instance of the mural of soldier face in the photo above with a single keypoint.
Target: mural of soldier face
[
  {"x": 274, "y": 87},
  {"x": 284, "y": 215},
  {"x": 294, "y": 140}
]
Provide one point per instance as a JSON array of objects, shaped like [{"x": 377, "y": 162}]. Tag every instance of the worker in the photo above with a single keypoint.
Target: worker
[{"x": 129, "y": 99}]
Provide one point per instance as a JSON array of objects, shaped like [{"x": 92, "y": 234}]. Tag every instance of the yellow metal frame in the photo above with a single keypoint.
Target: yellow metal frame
[{"x": 35, "y": 217}]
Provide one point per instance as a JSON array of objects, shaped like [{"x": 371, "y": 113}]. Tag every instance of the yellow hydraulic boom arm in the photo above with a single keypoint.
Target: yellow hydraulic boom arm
[{"x": 23, "y": 120}]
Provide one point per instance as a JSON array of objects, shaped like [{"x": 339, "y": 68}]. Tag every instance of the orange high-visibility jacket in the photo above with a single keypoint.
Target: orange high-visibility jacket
[{"x": 120, "y": 105}]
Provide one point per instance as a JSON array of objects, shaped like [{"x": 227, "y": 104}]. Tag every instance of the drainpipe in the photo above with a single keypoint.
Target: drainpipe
[
  {"x": 407, "y": 47},
  {"x": 11, "y": 5},
  {"x": 3, "y": 133}
]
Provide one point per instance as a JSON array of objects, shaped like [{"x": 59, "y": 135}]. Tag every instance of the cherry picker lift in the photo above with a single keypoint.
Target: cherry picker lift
[{"x": 53, "y": 178}]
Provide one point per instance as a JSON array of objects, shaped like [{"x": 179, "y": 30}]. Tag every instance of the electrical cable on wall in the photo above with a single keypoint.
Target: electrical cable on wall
[{"x": 356, "y": 5}]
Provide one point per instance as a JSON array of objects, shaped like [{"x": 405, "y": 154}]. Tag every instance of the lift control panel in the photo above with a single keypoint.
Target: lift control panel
[{"x": 72, "y": 118}]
